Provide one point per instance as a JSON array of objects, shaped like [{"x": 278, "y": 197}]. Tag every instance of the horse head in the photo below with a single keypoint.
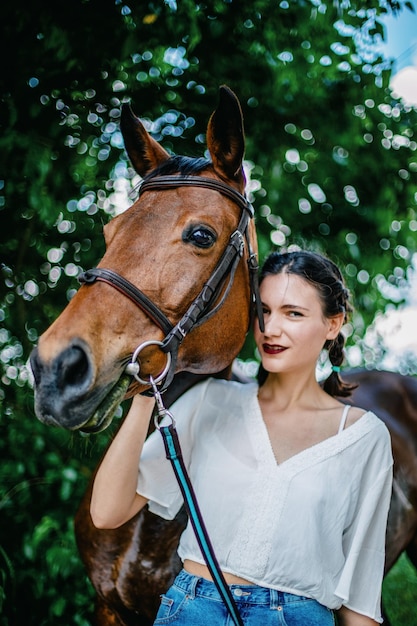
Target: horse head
[{"x": 162, "y": 254}]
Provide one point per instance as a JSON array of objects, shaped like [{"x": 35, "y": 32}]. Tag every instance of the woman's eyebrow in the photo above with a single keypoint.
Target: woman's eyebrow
[{"x": 294, "y": 306}]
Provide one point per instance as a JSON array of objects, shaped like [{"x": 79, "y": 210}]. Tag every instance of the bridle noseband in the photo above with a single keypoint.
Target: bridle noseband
[{"x": 204, "y": 305}]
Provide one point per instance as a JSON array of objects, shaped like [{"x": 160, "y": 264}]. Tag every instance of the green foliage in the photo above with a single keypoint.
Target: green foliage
[
  {"x": 42, "y": 479},
  {"x": 333, "y": 165},
  {"x": 400, "y": 592}
]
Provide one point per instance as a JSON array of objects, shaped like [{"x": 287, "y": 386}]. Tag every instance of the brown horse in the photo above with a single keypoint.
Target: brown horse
[
  {"x": 183, "y": 256},
  {"x": 79, "y": 366}
]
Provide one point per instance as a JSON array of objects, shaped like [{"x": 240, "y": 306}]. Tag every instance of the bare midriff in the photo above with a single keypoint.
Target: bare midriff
[{"x": 202, "y": 571}]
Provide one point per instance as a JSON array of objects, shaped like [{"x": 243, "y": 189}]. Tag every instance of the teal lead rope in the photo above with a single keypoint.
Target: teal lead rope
[{"x": 174, "y": 454}]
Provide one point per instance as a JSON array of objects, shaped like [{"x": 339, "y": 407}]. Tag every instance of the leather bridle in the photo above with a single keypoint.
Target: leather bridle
[{"x": 204, "y": 306}]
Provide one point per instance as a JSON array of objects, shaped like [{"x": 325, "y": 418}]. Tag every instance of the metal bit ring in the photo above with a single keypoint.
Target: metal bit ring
[{"x": 134, "y": 366}]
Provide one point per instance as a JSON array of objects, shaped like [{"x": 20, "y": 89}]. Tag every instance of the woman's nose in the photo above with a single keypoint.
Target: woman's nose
[{"x": 273, "y": 326}]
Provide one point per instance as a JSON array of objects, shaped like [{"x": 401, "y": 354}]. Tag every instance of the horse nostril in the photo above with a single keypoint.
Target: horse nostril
[{"x": 73, "y": 368}]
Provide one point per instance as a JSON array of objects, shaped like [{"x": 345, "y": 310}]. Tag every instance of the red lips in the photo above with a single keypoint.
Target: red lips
[{"x": 271, "y": 349}]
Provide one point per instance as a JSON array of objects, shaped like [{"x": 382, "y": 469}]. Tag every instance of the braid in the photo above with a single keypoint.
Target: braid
[{"x": 334, "y": 385}]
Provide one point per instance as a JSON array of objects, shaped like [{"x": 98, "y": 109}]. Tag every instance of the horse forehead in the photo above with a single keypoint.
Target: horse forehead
[
  {"x": 174, "y": 208},
  {"x": 188, "y": 202}
]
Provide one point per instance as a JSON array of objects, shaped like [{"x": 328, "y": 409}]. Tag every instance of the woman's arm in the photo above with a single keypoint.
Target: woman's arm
[
  {"x": 114, "y": 499},
  {"x": 347, "y": 617}
]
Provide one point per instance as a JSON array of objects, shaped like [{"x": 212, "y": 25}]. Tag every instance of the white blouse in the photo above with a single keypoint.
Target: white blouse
[{"x": 313, "y": 525}]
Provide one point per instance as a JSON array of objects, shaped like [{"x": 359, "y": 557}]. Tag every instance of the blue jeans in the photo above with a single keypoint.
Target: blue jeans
[{"x": 193, "y": 601}]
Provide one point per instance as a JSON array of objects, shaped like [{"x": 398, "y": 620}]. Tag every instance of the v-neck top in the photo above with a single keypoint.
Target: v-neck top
[{"x": 313, "y": 525}]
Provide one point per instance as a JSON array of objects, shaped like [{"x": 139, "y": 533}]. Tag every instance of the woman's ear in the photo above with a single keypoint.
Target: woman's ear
[{"x": 335, "y": 324}]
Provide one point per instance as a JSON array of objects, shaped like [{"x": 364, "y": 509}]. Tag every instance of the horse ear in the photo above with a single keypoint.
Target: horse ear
[
  {"x": 144, "y": 152},
  {"x": 225, "y": 136}
]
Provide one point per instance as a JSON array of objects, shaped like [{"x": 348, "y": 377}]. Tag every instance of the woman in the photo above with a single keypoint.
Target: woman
[{"x": 293, "y": 485}]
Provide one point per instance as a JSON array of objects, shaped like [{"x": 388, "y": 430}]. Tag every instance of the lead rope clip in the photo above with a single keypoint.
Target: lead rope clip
[{"x": 161, "y": 410}]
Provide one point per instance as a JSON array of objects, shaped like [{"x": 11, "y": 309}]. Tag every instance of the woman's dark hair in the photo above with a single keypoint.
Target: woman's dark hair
[{"x": 327, "y": 279}]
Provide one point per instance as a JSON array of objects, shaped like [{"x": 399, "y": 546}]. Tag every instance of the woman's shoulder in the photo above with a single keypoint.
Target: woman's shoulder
[
  {"x": 210, "y": 400},
  {"x": 355, "y": 413},
  {"x": 366, "y": 441},
  {"x": 235, "y": 383},
  {"x": 232, "y": 388},
  {"x": 219, "y": 389},
  {"x": 360, "y": 418}
]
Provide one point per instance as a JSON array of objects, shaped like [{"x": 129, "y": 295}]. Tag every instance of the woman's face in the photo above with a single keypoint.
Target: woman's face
[{"x": 295, "y": 326}]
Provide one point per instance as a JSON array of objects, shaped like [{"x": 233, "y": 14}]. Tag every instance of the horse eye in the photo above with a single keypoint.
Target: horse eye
[{"x": 200, "y": 236}]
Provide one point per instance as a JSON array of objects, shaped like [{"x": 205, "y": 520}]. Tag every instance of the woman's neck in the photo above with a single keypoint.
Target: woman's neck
[{"x": 292, "y": 390}]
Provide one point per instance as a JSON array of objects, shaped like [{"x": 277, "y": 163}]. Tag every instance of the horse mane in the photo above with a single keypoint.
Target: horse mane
[{"x": 183, "y": 165}]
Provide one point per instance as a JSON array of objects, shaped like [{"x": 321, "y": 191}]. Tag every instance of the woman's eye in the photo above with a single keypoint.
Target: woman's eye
[{"x": 200, "y": 237}]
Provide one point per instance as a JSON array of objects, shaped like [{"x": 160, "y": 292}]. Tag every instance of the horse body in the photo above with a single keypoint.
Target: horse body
[
  {"x": 129, "y": 567},
  {"x": 168, "y": 243},
  {"x": 393, "y": 398}
]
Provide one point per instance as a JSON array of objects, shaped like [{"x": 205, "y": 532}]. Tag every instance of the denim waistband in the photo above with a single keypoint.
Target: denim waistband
[{"x": 250, "y": 594}]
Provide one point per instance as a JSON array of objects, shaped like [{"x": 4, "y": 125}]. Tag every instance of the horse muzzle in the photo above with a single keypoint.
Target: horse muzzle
[{"x": 67, "y": 394}]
